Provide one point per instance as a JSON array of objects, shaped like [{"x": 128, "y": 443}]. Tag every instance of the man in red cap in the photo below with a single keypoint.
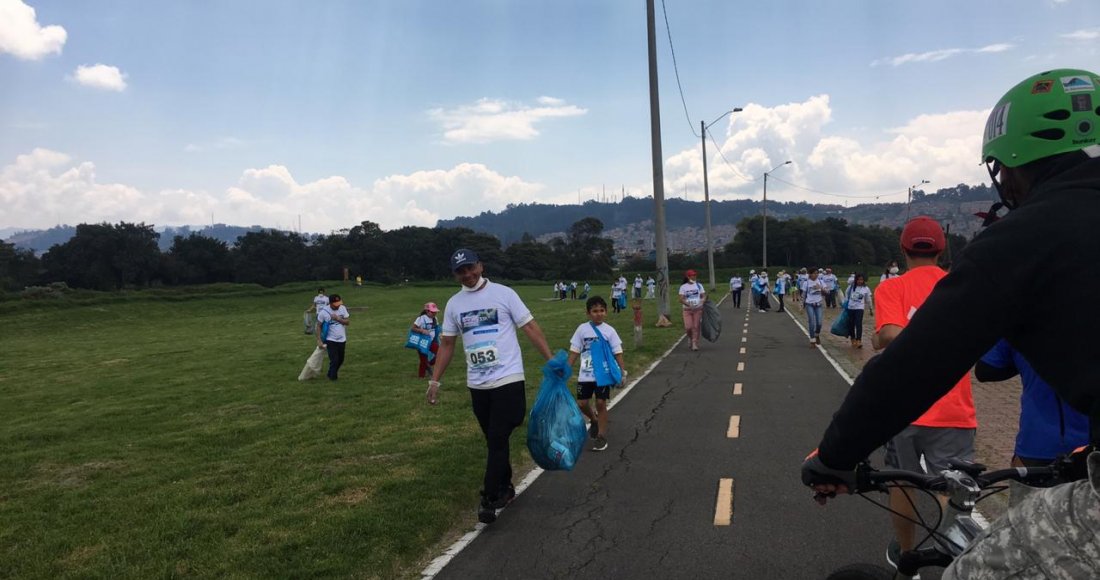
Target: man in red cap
[{"x": 946, "y": 431}]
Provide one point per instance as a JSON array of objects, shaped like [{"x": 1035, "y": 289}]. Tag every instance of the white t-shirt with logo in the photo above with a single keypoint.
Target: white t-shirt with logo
[
  {"x": 336, "y": 331},
  {"x": 858, "y": 296},
  {"x": 814, "y": 290},
  {"x": 424, "y": 321},
  {"x": 736, "y": 283},
  {"x": 319, "y": 302},
  {"x": 693, "y": 294},
  {"x": 487, "y": 320},
  {"x": 638, "y": 282},
  {"x": 581, "y": 343}
]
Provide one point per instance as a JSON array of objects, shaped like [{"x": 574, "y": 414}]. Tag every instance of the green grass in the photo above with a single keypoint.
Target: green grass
[{"x": 163, "y": 437}]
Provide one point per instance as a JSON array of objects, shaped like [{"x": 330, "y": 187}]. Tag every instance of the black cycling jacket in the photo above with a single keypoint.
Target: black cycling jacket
[{"x": 1021, "y": 279}]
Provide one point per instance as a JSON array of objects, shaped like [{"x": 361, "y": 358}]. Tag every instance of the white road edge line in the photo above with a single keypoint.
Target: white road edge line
[
  {"x": 436, "y": 566},
  {"x": 976, "y": 515}
]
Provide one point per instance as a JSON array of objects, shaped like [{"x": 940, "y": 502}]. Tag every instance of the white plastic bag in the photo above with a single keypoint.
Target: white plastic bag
[{"x": 312, "y": 369}]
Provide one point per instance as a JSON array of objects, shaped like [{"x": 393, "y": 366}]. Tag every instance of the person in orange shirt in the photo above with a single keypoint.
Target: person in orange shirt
[{"x": 946, "y": 431}]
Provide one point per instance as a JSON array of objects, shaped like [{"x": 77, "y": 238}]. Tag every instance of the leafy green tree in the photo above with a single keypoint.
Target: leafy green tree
[
  {"x": 105, "y": 257},
  {"x": 271, "y": 257},
  {"x": 197, "y": 259},
  {"x": 18, "y": 268}
]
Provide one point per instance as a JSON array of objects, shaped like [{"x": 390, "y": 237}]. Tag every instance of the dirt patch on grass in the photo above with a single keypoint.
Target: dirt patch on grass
[
  {"x": 73, "y": 476},
  {"x": 78, "y": 559},
  {"x": 351, "y": 496}
]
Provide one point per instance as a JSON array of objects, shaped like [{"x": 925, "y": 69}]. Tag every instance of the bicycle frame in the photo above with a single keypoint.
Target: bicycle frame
[{"x": 956, "y": 530}]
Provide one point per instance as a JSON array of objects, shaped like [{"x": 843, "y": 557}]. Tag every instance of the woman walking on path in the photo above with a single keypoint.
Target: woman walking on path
[
  {"x": 859, "y": 297},
  {"x": 814, "y": 297},
  {"x": 692, "y": 296},
  {"x": 426, "y": 324}
]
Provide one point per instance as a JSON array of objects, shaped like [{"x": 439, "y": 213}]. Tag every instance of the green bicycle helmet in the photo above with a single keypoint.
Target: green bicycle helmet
[{"x": 1053, "y": 112}]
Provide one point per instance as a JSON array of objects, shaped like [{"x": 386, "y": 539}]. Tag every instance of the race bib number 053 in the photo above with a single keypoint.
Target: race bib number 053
[{"x": 482, "y": 356}]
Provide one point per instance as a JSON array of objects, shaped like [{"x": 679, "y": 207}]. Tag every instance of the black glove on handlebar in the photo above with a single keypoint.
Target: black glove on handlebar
[{"x": 814, "y": 472}]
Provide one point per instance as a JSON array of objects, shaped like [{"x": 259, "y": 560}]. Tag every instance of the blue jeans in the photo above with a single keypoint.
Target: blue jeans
[
  {"x": 813, "y": 318},
  {"x": 855, "y": 324}
]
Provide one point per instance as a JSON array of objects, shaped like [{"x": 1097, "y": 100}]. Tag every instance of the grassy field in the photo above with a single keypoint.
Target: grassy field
[{"x": 160, "y": 435}]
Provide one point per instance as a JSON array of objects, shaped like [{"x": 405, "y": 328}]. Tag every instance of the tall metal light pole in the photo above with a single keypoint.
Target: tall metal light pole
[
  {"x": 765, "y": 266},
  {"x": 706, "y": 193},
  {"x": 909, "y": 204},
  {"x": 658, "y": 172}
]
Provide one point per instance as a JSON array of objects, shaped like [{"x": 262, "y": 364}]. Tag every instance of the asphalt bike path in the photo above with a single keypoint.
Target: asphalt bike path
[{"x": 700, "y": 477}]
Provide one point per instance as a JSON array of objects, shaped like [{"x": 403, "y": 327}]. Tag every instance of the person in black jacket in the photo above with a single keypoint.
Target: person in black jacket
[{"x": 1040, "y": 147}]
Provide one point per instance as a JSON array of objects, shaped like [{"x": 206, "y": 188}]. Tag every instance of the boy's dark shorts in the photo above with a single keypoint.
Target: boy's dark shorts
[{"x": 586, "y": 389}]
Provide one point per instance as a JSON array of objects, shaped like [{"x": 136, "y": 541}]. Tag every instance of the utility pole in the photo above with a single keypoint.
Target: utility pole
[
  {"x": 706, "y": 206},
  {"x": 909, "y": 203},
  {"x": 658, "y": 171},
  {"x": 765, "y": 266}
]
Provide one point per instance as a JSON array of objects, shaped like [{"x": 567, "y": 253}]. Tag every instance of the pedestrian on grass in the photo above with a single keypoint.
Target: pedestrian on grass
[
  {"x": 814, "y": 300},
  {"x": 692, "y": 296},
  {"x": 573, "y": 290},
  {"x": 890, "y": 271},
  {"x": 426, "y": 324},
  {"x": 651, "y": 288},
  {"x": 736, "y": 287},
  {"x": 587, "y": 336},
  {"x": 487, "y": 315},
  {"x": 320, "y": 301},
  {"x": 332, "y": 334},
  {"x": 858, "y": 298},
  {"x": 616, "y": 293}
]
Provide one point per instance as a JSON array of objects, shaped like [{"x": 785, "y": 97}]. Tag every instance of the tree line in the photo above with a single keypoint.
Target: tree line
[{"x": 125, "y": 255}]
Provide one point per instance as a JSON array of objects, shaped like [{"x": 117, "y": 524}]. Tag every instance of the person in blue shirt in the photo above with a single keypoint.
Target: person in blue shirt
[
  {"x": 1048, "y": 426},
  {"x": 781, "y": 289}
]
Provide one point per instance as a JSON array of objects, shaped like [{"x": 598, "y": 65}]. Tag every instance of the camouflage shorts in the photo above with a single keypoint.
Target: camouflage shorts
[{"x": 1053, "y": 534}]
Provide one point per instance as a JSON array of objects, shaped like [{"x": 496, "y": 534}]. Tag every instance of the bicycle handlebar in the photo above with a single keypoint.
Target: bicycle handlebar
[{"x": 869, "y": 479}]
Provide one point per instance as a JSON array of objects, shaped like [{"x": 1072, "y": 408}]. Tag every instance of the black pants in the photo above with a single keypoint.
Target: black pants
[
  {"x": 335, "y": 357},
  {"x": 780, "y": 297},
  {"x": 764, "y": 303},
  {"x": 855, "y": 324},
  {"x": 498, "y": 412},
  {"x": 830, "y": 299},
  {"x": 736, "y": 298}
]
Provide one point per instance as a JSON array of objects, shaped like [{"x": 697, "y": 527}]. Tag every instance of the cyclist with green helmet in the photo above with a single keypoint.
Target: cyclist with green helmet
[{"x": 1041, "y": 148}]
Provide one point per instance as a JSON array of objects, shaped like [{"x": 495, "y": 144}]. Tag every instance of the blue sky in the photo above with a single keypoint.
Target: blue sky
[{"x": 405, "y": 112}]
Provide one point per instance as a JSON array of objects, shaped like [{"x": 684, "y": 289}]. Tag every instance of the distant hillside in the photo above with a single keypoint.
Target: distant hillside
[
  {"x": 41, "y": 240},
  {"x": 954, "y": 205}
]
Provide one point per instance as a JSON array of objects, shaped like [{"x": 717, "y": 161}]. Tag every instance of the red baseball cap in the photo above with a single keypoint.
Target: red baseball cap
[
  {"x": 923, "y": 234},
  {"x": 690, "y": 273}
]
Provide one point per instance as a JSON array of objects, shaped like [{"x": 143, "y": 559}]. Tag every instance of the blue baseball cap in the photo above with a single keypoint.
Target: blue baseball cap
[{"x": 463, "y": 257}]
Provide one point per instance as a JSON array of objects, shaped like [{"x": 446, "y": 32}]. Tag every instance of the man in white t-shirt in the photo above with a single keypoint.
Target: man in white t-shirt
[
  {"x": 320, "y": 301},
  {"x": 651, "y": 288},
  {"x": 638, "y": 286},
  {"x": 334, "y": 339},
  {"x": 487, "y": 315}
]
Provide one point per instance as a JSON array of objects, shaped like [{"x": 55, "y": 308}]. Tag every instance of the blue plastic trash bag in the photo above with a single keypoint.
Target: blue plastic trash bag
[
  {"x": 555, "y": 431},
  {"x": 840, "y": 325}
]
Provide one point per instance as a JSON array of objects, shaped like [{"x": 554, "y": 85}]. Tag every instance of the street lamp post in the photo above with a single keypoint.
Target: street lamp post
[
  {"x": 765, "y": 266},
  {"x": 909, "y": 204},
  {"x": 706, "y": 193}
]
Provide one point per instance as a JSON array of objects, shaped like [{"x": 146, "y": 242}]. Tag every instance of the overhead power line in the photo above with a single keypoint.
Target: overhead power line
[
  {"x": 676, "y": 69},
  {"x": 723, "y": 156},
  {"x": 802, "y": 187}
]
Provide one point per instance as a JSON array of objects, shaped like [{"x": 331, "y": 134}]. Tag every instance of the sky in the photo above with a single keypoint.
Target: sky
[{"x": 403, "y": 112}]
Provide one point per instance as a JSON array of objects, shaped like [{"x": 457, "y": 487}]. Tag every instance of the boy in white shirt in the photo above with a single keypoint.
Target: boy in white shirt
[
  {"x": 736, "y": 287},
  {"x": 487, "y": 315},
  {"x": 580, "y": 346}
]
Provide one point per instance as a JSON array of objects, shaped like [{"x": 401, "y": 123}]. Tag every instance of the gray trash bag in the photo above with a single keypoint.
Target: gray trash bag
[
  {"x": 313, "y": 366},
  {"x": 712, "y": 321},
  {"x": 307, "y": 322}
]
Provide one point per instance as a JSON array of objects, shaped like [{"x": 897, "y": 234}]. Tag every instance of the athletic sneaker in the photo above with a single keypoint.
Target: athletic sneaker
[
  {"x": 893, "y": 556},
  {"x": 600, "y": 444}
]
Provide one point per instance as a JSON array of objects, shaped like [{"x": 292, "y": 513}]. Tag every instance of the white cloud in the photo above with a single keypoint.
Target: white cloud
[
  {"x": 942, "y": 148},
  {"x": 941, "y": 54},
  {"x": 22, "y": 36},
  {"x": 490, "y": 120},
  {"x": 100, "y": 76},
  {"x": 1084, "y": 34},
  {"x": 44, "y": 187}
]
